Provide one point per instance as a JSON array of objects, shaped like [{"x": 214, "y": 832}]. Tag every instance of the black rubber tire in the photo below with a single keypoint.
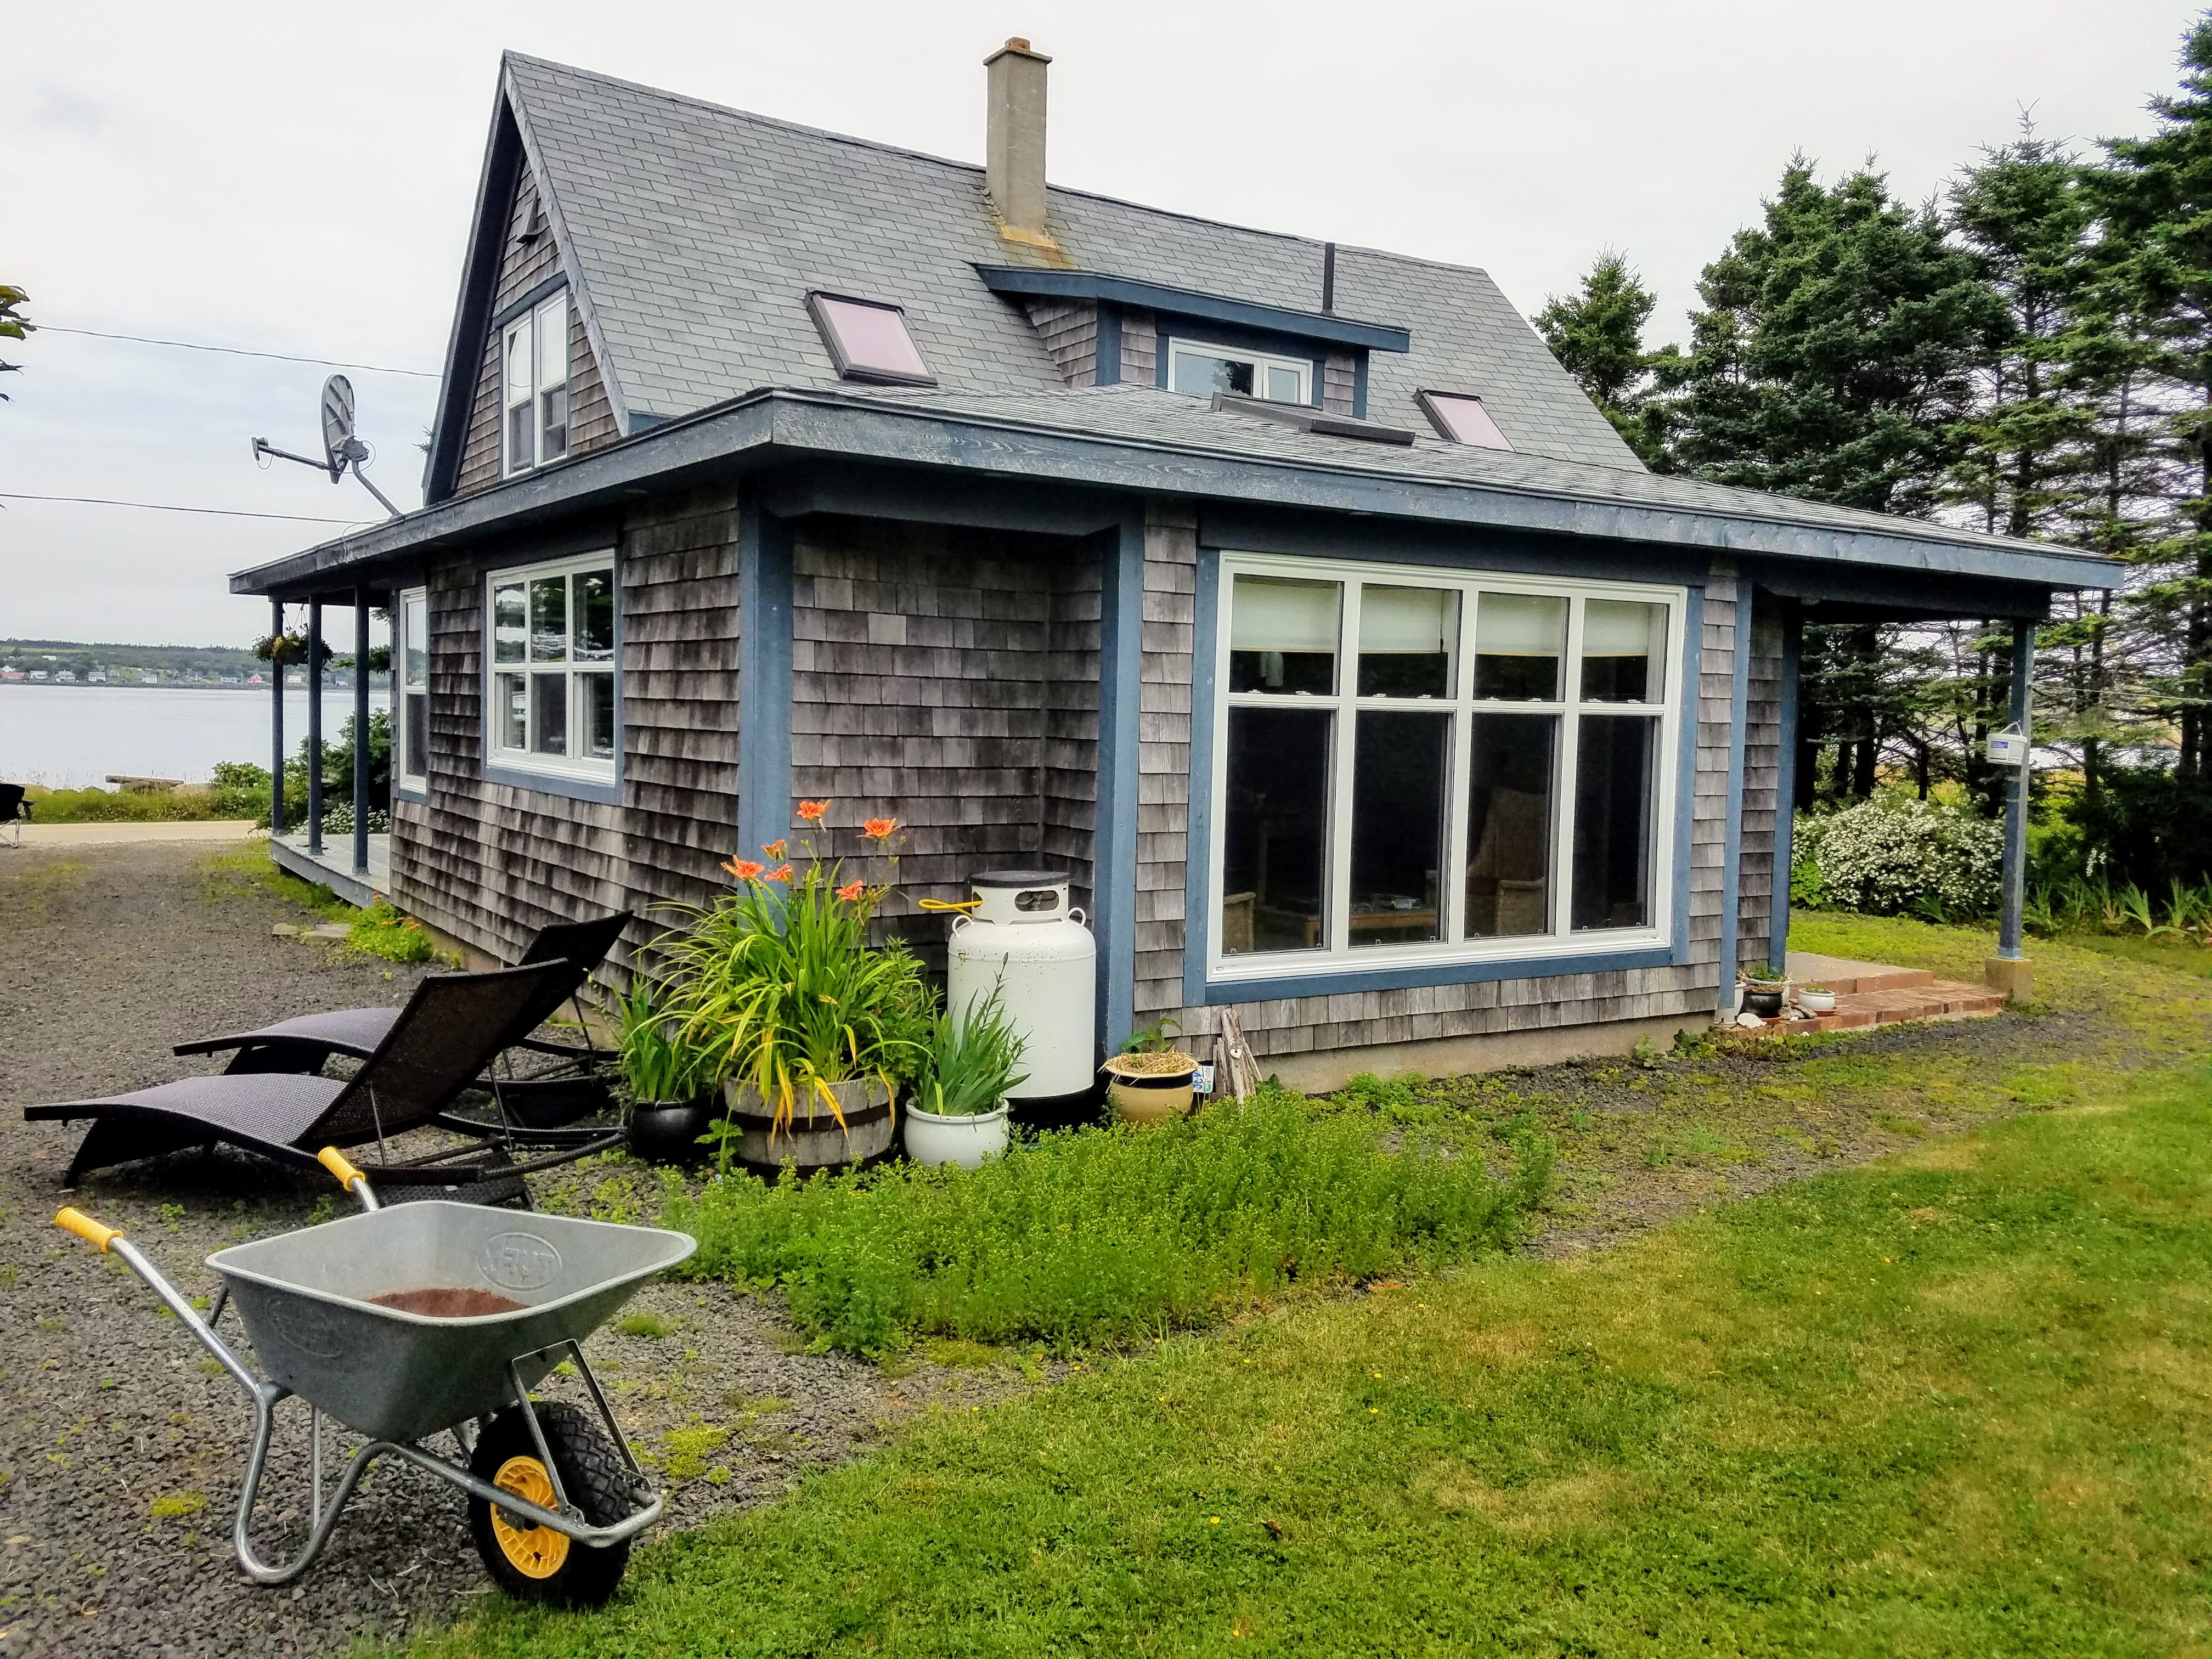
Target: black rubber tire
[{"x": 595, "y": 1478}]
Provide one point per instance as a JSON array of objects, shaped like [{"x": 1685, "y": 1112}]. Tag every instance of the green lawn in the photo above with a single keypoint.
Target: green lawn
[{"x": 1956, "y": 1402}]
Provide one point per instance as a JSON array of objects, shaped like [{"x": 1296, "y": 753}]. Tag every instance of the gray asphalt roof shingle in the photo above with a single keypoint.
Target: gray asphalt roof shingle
[{"x": 697, "y": 230}]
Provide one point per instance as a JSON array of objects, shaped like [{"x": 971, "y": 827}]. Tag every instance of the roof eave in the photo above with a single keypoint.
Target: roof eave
[{"x": 781, "y": 422}]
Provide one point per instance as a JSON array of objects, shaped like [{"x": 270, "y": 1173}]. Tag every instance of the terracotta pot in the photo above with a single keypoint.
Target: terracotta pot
[
  {"x": 811, "y": 1141},
  {"x": 668, "y": 1131},
  {"x": 1147, "y": 1099},
  {"x": 935, "y": 1138}
]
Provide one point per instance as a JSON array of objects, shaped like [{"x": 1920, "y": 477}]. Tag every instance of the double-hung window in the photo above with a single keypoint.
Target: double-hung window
[
  {"x": 410, "y": 673},
  {"x": 553, "y": 668},
  {"x": 1199, "y": 370},
  {"x": 1415, "y": 765},
  {"x": 534, "y": 376}
]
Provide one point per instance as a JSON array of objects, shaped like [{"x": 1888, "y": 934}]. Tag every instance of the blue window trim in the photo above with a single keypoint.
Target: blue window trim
[
  {"x": 605, "y": 793},
  {"x": 1108, "y": 368},
  {"x": 764, "y": 675},
  {"x": 1201, "y": 991},
  {"x": 528, "y": 301}
]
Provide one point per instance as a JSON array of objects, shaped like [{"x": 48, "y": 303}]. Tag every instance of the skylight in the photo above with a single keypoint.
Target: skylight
[
  {"x": 1461, "y": 416},
  {"x": 868, "y": 340}
]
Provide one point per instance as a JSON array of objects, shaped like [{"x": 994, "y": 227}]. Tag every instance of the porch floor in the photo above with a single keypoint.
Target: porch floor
[{"x": 333, "y": 866}]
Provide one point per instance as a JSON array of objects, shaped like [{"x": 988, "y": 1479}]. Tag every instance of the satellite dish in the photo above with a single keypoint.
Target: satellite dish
[{"x": 338, "y": 422}]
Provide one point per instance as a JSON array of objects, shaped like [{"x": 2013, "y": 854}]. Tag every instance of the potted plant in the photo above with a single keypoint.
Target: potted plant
[
  {"x": 670, "y": 1078},
  {"x": 1764, "y": 987},
  {"x": 810, "y": 1029},
  {"x": 1816, "y": 1000},
  {"x": 956, "y": 1113},
  {"x": 1151, "y": 1081}
]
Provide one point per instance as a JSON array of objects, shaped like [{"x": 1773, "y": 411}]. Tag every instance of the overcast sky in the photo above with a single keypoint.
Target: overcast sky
[{"x": 297, "y": 179}]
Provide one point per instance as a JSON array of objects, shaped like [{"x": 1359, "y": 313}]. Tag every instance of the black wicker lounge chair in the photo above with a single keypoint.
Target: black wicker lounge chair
[
  {"x": 15, "y": 811},
  {"x": 436, "y": 1046},
  {"x": 304, "y": 1043}
]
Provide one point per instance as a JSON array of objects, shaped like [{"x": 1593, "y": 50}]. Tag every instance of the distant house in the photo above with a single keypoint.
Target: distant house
[
  {"x": 41, "y": 674},
  {"x": 10, "y": 673},
  {"x": 97, "y": 676},
  {"x": 1288, "y": 595},
  {"x": 65, "y": 677}
]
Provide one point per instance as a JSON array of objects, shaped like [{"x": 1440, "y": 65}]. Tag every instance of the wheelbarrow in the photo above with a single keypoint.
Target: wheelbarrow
[{"x": 435, "y": 1317}]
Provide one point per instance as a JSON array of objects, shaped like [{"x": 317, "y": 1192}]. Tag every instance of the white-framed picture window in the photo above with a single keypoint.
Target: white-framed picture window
[
  {"x": 534, "y": 378},
  {"x": 553, "y": 667},
  {"x": 1415, "y": 765},
  {"x": 1199, "y": 370},
  {"x": 411, "y": 677}
]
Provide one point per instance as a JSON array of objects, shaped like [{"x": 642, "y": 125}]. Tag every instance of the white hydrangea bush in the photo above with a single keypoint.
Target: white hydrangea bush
[{"x": 1886, "y": 855}]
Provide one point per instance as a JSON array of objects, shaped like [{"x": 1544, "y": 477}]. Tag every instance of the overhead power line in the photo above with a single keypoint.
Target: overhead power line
[
  {"x": 165, "y": 506},
  {"x": 237, "y": 351}
]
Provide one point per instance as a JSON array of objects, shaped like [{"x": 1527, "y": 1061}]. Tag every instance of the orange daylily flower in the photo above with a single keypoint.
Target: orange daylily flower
[
  {"x": 878, "y": 829},
  {"x": 810, "y": 811},
  {"x": 777, "y": 848},
  {"x": 743, "y": 869},
  {"x": 851, "y": 891},
  {"x": 781, "y": 873}
]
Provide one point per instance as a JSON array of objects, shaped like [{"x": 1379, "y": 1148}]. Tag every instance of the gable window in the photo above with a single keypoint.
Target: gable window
[
  {"x": 1461, "y": 416},
  {"x": 1415, "y": 765},
  {"x": 534, "y": 373},
  {"x": 552, "y": 705},
  {"x": 411, "y": 661},
  {"x": 1199, "y": 370},
  {"x": 869, "y": 340}
]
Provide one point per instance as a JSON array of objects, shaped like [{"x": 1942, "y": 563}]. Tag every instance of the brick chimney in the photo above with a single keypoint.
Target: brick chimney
[{"x": 1013, "y": 149}]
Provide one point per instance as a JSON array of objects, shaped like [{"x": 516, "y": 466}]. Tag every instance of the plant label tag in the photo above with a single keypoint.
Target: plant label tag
[
  {"x": 1202, "y": 1081},
  {"x": 2009, "y": 748}
]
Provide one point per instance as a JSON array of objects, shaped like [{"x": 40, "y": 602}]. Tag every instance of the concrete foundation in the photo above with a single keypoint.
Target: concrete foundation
[
  {"x": 2015, "y": 976},
  {"x": 1319, "y": 1072}
]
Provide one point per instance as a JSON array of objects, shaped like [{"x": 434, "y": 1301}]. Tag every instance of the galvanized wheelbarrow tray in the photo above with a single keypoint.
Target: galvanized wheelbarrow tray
[{"x": 540, "y": 1477}]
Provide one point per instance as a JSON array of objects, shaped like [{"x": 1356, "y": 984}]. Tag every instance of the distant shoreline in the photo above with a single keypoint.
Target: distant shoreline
[{"x": 141, "y": 685}]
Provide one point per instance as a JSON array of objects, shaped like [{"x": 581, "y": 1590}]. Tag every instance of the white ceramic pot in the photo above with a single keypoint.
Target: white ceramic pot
[
  {"x": 1817, "y": 1002},
  {"x": 966, "y": 1140}
]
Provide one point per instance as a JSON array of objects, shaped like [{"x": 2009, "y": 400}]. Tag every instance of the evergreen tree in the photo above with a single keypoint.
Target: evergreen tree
[
  {"x": 1597, "y": 335},
  {"x": 2156, "y": 197}
]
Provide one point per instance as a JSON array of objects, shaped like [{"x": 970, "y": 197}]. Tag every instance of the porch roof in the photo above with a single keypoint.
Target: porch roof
[{"x": 1111, "y": 441}]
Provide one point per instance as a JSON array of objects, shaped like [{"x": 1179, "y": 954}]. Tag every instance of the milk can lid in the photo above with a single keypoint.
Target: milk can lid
[{"x": 1018, "y": 879}]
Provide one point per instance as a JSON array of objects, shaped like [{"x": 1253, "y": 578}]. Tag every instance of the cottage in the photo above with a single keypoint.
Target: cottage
[{"x": 1288, "y": 594}]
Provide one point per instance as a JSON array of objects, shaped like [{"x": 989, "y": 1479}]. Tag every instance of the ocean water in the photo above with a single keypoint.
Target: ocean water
[{"x": 68, "y": 736}]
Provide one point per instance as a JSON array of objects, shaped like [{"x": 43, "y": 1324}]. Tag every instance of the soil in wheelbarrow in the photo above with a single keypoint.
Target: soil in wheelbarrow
[
  {"x": 447, "y": 1302},
  {"x": 121, "y": 1448}
]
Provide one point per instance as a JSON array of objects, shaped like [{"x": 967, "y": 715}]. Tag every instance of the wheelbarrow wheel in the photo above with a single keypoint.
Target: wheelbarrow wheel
[{"x": 537, "y": 1564}]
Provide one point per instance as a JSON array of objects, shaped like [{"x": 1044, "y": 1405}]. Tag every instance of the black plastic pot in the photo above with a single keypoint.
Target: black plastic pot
[
  {"x": 1764, "y": 1000},
  {"x": 668, "y": 1131}
]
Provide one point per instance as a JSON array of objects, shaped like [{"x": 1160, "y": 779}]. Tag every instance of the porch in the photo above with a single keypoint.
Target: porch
[{"x": 333, "y": 866}]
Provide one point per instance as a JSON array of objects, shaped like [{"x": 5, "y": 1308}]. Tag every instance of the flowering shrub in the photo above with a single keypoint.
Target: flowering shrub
[{"x": 1884, "y": 856}]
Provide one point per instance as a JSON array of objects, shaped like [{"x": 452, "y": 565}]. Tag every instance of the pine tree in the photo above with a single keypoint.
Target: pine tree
[
  {"x": 2155, "y": 194},
  {"x": 1597, "y": 335}
]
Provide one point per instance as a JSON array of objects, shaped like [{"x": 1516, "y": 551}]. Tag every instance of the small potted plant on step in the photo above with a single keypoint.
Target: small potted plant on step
[
  {"x": 1765, "y": 986},
  {"x": 1816, "y": 1000},
  {"x": 1150, "y": 1080},
  {"x": 956, "y": 1113},
  {"x": 673, "y": 1093}
]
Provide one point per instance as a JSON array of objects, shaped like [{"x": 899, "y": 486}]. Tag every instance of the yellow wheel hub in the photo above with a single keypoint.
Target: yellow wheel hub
[{"x": 533, "y": 1551}]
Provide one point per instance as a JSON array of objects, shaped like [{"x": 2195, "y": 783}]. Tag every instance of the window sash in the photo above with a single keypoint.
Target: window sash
[
  {"x": 411, "y": 656},
  {"x": 534, "y": 374},
  {"x": 588, "y": 710},
  {"x": 1260, "y": 361},
  {"x": 1337, "y": 948}
]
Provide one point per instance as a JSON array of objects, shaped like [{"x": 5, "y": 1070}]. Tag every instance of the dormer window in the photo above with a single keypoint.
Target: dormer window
[
  {"x": 1460, "y": 416},
  {"x": 1199, "y": 370},
  {"x": 868, "y": 340},
  {"x": 534, "y": 359}
]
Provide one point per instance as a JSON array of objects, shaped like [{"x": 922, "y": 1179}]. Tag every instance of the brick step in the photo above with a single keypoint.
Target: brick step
[
  {"x": 1844, "y": 975},
  {"x": 1932, "y": 998}
]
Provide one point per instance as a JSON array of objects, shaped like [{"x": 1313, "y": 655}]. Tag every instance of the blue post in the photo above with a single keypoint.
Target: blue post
[
  {"x": 2016, "y": 837},
  {"x": 1785, "y": 784},
  {"x": 361, "y": 731},
  {"x": 314, "y": 728},
  {"x": 276, "y": 722}
]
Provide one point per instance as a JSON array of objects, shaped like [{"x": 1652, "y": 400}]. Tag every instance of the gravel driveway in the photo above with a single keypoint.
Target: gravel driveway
[{"x": 121, "y": 1451}]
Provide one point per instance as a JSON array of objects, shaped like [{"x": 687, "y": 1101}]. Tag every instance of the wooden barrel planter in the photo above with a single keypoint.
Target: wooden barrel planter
[{"x": 811, "y": 1141}]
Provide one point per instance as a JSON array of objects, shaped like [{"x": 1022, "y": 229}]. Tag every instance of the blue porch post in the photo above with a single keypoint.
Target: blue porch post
[
  {"x": 361, "y": 731},
  {"x": 1785, "y": 784},
  {"x": 276, "y": 721},
  {"x": 2015, "y": 838},
  {"x": 1120, "y": 676},
  {"x": 314, "y": 727}
]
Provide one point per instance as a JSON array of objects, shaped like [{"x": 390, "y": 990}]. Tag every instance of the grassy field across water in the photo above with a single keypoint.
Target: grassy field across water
[{"x": 1955, "y": 1401}]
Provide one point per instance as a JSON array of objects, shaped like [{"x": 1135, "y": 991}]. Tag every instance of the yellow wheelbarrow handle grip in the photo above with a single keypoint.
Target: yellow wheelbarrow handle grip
[
  {"x": 86, "y": 1228},
  {"x": 335, "y": 1161}
]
